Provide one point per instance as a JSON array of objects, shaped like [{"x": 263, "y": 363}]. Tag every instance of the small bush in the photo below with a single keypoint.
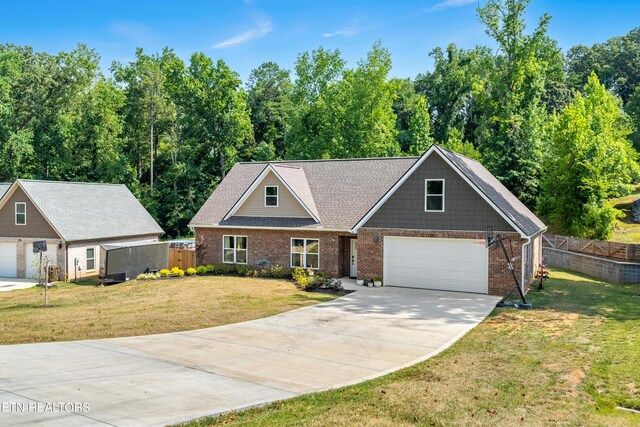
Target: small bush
[
  {"x": 300, "y": 276},
  {"x": 242, "y": 270},
  {"x": 201, "y": 269},
  {"x": 191, "y": 271},
  {"x": 209, "y": 268},
  {"x": 278, "y": 271},
  {"x": 177, "y": 272},
  {"x": 220, "y": 269},
  {"x": 165, "y": 273},
  {"x": 255, "y": 273},
  {"x": 147, "y": 276}
]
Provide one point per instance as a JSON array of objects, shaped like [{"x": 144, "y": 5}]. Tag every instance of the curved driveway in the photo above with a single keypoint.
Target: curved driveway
[{"x": 168, "y": 378}]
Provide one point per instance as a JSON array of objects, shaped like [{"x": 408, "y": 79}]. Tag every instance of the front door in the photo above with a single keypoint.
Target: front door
[{"x": 353, "y": 272}]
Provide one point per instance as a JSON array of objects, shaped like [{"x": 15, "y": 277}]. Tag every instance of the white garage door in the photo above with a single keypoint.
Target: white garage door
[
  {"x": 8, "y": 260},
  {"x": 33, "y": 260},
  {"x": 444, "y": 264}
]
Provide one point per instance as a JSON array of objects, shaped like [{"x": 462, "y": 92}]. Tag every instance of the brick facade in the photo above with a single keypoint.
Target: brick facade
[
  {"x": 274, "y": 246},
  {"x": 371, "y": 248}
]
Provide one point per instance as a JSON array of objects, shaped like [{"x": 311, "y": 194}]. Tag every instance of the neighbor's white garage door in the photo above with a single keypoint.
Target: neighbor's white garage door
[
  {"x": 8, "y": 260},
  {"x": 33, "y": 260},
  {"x": 444, "y": 264}
]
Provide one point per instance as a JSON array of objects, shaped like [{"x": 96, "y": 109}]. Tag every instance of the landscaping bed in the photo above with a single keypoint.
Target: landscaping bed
[
  {"x": 572, "y": 360},
  {"x": 86, "y": 311}
]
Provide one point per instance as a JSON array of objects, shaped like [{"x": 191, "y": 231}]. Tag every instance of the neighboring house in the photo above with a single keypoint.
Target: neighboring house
[
  {"x": 416, "y": 222},
  {"x": 74, "y": 218}
]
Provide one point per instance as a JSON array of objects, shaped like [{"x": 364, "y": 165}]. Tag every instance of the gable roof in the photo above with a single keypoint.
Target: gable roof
[
  {"x": 480, "y": 179},
  {"x": 347, "y": 192},
  {"x": 293, "y": 178},
  {"x": 342, "y": 191},
  {"x": 87, "y": 211}
]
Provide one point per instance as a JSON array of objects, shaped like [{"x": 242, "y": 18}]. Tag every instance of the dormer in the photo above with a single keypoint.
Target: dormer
[{"x": 279, "y": 191}]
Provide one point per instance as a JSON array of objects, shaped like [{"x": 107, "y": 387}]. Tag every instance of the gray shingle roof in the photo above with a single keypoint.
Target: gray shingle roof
[
  {"x": 84, "y": 211},
  {"x": 495, "y": 191},
  {"x": 3, "y": 188},
  {"x": 342, "y": 190}
]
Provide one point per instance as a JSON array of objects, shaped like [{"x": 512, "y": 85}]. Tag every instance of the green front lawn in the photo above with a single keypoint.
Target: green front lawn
[
  {"x": 570, "y": 361},
  {"x": 84, "y": 311}
]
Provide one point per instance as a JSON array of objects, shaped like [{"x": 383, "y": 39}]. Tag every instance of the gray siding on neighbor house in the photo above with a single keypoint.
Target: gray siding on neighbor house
[
  {"x": 464, "y": 210},
  {"x": 36, "y": 227}
]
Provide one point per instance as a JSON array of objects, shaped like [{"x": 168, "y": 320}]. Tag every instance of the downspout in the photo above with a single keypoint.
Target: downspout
[{"x": 529, "y": 238}]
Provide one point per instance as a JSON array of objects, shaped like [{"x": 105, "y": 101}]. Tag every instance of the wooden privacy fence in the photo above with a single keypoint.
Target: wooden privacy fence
[
  {"x": 182, "y": 258},
  {"x": 600, "y": 248}
]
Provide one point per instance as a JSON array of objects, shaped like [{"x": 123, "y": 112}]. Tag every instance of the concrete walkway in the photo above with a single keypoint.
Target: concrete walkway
[
  {"x": 168, "y": 378},
  {"x": 14, "y": 284}
]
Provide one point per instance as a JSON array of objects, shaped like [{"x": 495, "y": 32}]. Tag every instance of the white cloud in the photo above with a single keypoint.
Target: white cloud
[
  {"x": 133, "y": 31},
  {"x": 448, "y": 4},
  {"x": 262, "y": 28},
  {"x": 349, "y": 30}
]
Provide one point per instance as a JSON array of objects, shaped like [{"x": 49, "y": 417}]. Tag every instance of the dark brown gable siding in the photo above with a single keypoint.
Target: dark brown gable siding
[
  {"x": 36, "y": 227},
  {"x": 465, "y": 209}
]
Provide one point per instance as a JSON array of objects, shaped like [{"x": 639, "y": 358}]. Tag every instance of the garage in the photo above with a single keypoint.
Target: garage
[
  {"x": 444, "y": 264},
  {"x": 8, "y": 260}
]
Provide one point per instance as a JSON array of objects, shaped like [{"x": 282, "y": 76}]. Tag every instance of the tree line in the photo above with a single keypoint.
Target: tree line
[{"x": 559, "y": 130}]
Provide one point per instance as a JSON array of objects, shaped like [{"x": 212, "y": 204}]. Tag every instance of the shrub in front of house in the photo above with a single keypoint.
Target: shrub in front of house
[
  {"x": 278, "y": 271},
  {"x": 177, "y": 272},
  {"x": 300, "y": 276},
  {"x": 147, "y": 276},
  {"x": 254, "y": 273},
  {"x": 201, "y": 270},
  {"x": 220, "y": 269},
  {"x": 165, "y": 273},
  {"x": 242, "y": 270},
  {"x": 191, "y": 272},
  {"x": 209, "y": 268}
]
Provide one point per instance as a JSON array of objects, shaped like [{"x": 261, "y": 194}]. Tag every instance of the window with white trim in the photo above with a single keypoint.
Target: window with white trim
[
  {"x": 305, "y": 253},
  {"x": 434, "y": 195},
  {"x": 271, "y": 196},
  {"x": 91, "y": 259},
  {"x": 21, "y": 213},
  {"x": 234, "y": 249}
]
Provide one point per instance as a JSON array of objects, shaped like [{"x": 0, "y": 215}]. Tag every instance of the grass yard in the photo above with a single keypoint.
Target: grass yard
[
  {"x": 626, "y": 230},
  {"x": 568, "y": 362},
  {"x": 84, "y": 311}
]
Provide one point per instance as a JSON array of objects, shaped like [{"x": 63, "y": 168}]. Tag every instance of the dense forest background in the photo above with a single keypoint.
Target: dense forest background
[{"x": 559, "y": 129}]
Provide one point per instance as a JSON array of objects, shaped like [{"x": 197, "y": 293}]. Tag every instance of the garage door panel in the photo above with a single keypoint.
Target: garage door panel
[
  {"x": 8, "y": 260},
  {"x": 445, "y": 264}
]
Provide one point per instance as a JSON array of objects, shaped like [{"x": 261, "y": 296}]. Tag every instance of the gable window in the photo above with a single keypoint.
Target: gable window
[
  {"x": 305, "y": 253},
  {"x": 434, "y": 195},
  {"x": 271, "y": 196},
  {"x": 91, "y": 259},
  {"x": 21, "y": 213},
  {"x": 234, "y": 249}
]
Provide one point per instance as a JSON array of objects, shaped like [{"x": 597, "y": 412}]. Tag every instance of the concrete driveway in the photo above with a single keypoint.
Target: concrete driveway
[
  {"x": 168, "y": 378},
  {"x": 13, "y": 284}
]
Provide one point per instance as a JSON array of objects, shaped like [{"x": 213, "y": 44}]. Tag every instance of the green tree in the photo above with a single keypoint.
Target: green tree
[
  {"x": 452, "y": 89},
  {"x": 413, "y": 122},
  {"x": 343, "y": 118},
  {"x": 589, "y": 160},
  {"x": 269, "y": 98},
  {"x": 512, "y": 128}
]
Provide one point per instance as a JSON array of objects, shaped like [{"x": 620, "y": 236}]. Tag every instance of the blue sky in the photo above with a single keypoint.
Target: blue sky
[{"x": 246, "y": 33}]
